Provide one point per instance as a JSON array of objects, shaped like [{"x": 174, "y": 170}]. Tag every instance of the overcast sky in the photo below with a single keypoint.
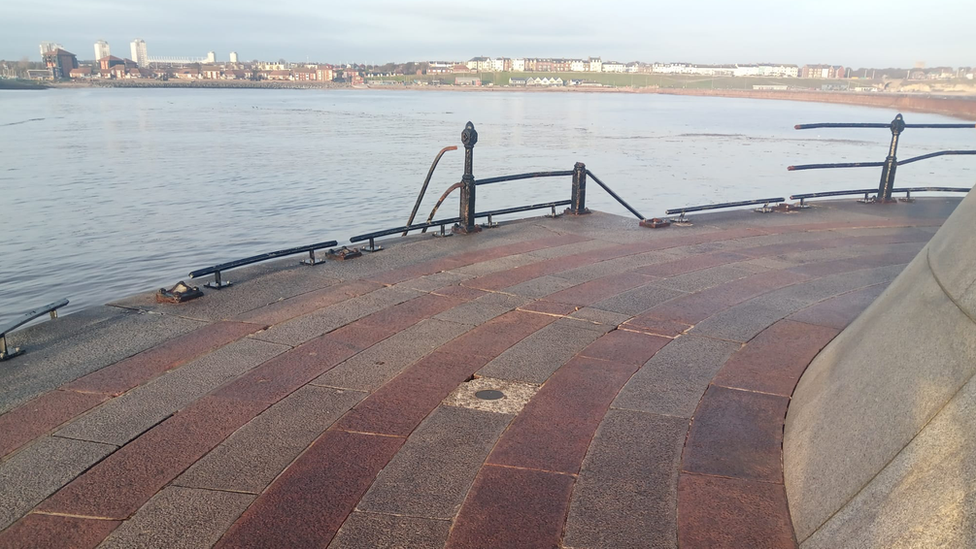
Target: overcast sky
[{"x": 857, "y": 33}]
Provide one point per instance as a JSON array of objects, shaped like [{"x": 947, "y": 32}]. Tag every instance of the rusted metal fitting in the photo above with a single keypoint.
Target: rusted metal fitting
[
  {"x": 343, "y": 254},
  {"x": 178, "y": 294},
  {"x": 655, "y": 223}
]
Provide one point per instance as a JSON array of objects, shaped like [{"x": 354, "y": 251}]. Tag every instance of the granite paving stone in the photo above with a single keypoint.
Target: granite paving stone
[
  {"x": 540, "y": 287},
  {"x": 728, "y": 512},
  {"x": 625, "y": 347},
  {"x": 254, "y": 455},
  {"x": 512, "y": 508},
  {"x": 689, "y": 264},
  {"x": 697, "y": 281},
  {"x": 838, "y": 312},
  {"x": 458, "y": 291},
  {"x": 41, "y": 416},
  {"x": 774, "y": 361},
  {"x": 433, "y": 282},
  {"x": 180, "y": 518},
  {"x": 825, "y": 268},
  {"x": 651, "y": 325},
  {"x": 549, "y": 308},
  {"x": 673, "y": 380},
  {"x": 373, "y": 530},
  {"x": 600, "y": 316},
  {"x": 574, "y": 400},
  {"x": 696, "y": 307},
  {"x": 744, "y": 321},
  {"x": 483, "y": 309},
  {"x": 638, "y": 300},
  {"x": 371, "y": 368},
  {"x": 39, "y": 470},
  {"x": 299, "y": 330},
  {"x": 307, "y": 504},
  {"x": 537, "y": 356},
  {"x": 494, "y": 265},
  {"x": 47, "y": 366},
  {"x": 626, "y": 494},
  {"x": 593, "y": 291},
  {"x": 569, "y": 249},
  {"x": 40, "y": 531},
  {"x": 399, "y": 406},
  {"x": 431, "y": 475},
  {"x": 286, "y": 309},
  {"x": 118, "y": 378},
  {"x": 281, "y": 375},
  {"x": 492, "y": 338},
  {"x": 120, "y": 484},
  {"x": 122, "y": 419},
  {"x": 737, "y": 434}
]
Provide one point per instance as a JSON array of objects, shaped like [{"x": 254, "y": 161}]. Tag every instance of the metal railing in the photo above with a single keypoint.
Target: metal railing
[
  {"x": 51, "y": 308},
  {"x": 466, "y": 221},
  {"x": 891, "y": 162},
  {"x": 764, "y": 201},
  {"x": 867, "y": 192},
  {"x": 217, "y": 283}
]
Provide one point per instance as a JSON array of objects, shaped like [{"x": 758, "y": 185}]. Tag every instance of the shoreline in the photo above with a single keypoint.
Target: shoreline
[{"x": 961, "y": 106}]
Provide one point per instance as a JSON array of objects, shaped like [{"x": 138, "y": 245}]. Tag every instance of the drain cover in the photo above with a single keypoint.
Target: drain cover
[{"x": 489, "y": 394}]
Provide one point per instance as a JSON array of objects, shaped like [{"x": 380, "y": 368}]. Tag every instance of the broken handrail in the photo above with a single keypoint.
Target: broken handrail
[
  {"x": 423, "y": 189},
  {"x": 217, "y": 269},
  {"x": 50, "y": 308}
]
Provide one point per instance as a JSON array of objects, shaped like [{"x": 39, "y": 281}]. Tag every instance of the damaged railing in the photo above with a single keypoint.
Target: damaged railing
[
  {"x": 466, "y": 221},
  {"x": 891, "y": 162},
  {"x": 51, "y": 308}
]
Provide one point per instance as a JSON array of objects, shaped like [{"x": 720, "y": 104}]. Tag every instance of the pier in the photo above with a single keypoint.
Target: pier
[{"x": 577, "y": 380}]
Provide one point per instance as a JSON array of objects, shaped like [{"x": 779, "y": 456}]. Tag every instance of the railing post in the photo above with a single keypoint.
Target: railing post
[
  {"x": 891, "y": 162},
  {"x": 578, "y": 207},
  {"x": 469, "y": 137}
]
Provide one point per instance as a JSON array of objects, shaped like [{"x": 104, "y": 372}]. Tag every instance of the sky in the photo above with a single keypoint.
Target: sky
[{"x": 854, "y": 33}]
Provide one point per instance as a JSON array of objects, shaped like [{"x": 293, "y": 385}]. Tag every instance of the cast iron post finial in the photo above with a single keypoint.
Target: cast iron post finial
[
  {"x": 467, "y": 224},
  {"x": 891, "y": 162}
]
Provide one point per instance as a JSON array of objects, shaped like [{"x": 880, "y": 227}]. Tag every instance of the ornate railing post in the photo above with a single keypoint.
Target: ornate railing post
[
  {"x": 891, "y": 162},
  {"x": 578, "y": 207},
  {"x": 467, "y": 225}
]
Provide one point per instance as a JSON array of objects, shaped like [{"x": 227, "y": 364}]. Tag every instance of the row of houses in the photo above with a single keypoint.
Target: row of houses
[
  {"x": 112, "y": 67},
  {"x": 595, "y": 64}
]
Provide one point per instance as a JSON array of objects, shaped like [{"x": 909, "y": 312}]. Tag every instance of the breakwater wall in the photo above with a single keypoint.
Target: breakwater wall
[{"x": 960, "y": 107}]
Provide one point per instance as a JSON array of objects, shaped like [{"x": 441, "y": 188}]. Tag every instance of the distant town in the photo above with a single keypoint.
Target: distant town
[{"x": 59, "y": 64}]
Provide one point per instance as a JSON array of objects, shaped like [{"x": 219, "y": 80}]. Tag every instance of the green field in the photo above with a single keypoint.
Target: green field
[{"x": 633, "y": 80}]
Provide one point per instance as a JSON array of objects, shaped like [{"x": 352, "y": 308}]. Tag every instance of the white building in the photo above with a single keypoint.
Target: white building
[
  {"x": 496, "y": 65},
  {"x": 233, "y": 57},
  {"x": 518, "y": 64},
  {"x": 577, "y": 65},
  {"x": 613, "y": 66},
  {"x": 596, "y": 64},
  {"x": 101, "y": 50},
  {"x": 138, "y": 50},
  {"x": 211, "y": 57}
]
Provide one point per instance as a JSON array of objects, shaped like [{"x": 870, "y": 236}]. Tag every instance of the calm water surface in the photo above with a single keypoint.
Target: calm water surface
[{"x": 107, "y": 192}]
